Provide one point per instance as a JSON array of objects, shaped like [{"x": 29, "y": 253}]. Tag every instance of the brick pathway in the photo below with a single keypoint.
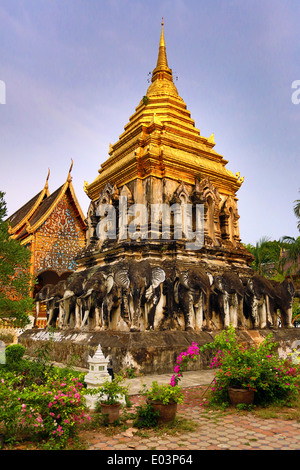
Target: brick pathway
[{"x": 215, "y": 431}]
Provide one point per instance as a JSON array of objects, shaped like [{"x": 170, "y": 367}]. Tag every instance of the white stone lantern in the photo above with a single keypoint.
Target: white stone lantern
[{"x": 97, "y": 374}]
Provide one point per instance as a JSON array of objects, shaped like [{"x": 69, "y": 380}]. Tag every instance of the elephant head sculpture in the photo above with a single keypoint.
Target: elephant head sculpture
[
  {"x": 54, "y": 307},
  {"x": 140, "y": 286},
  {"x": 70, "y": 303},
  {"x": 259, "y": 297},
  {"x": 98, "y": 300},
  {"x": 228, "y": 290},
  {"x": 284, "y": 297},
  {"x": 192, "y": 292}
]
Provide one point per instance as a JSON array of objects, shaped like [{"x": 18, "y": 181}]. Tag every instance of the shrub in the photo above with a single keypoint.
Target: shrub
[
  {"x": 49, "y": 407},
  {"x": 257, "y": 368},
  {"x": 164, "y": 393},
  {"x": 14, "y": 354},
  {"x": 146, "y": 416}
]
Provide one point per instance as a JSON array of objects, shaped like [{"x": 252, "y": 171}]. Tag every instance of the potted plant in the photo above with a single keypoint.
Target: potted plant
[
  {"x": 164, "y": 398},
  {"x": 251, "y": 374},
  {"x": 111, "y": 393}
]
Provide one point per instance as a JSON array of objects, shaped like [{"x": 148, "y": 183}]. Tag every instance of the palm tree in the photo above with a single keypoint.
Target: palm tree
[
  {"x": 297, "y": 211},
  {"x": 290, "y": 261},
  {"x": 266, "y": 256}
]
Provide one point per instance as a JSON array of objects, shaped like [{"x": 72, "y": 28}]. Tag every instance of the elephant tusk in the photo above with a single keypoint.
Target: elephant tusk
[{"x": 87, "y": 294}]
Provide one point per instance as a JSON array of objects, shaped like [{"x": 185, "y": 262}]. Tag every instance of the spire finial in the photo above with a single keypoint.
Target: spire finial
[
  {"x": 162, "y": 77},
  {"x": 162, "y": 62},
  {"x": 69, "y": 175},
  {"x": 47, "y": 179}
]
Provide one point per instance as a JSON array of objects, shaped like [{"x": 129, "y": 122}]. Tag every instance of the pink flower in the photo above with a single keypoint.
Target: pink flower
[{"x": 173, "y": 382}]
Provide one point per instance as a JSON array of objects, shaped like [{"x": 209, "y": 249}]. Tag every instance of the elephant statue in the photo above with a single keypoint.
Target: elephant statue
[
  {"x": 98, "y": 300},
  {"x": 70, "y": 300},
  {"x": 228, "y": 291},
  {"x": 192, "y": 293},
  {"x": 259, "y": 298},
  {"x": 41, "y": 297},
  {"x": 284, "y": 298},
  {"x": 54, "y": 306},
  {"x": 140, "y": 284}
]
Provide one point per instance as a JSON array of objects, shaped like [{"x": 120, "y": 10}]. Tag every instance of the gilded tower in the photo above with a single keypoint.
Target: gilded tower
[
  {"x": 163, "y": 260},
  {"x": 161, "y": 159}
]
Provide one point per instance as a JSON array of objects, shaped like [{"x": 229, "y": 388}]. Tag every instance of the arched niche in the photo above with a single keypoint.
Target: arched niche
[
  {"x": 229, "y": 218},
  {"x": 211, "y": 199}
]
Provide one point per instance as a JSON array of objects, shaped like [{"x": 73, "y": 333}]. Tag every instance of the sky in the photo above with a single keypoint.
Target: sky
[{"x": 72, "y": 73}]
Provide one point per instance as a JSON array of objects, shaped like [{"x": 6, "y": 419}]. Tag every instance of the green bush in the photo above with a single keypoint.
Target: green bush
[
  {"x": 40, "y": 403},
  {"x": 14, "y": 354},
  {"x": 258, "y": 368},
  {"x": 146, "y": 416}
]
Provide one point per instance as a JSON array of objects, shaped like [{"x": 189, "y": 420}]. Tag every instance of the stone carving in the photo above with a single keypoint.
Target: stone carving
[
  {"x": 137, "y": 296},
  {"x": 74, "y": 289},
  {"x": 284, "y": 297},
  {"x": 192, "y": 293},
  {"x": 139, "y": 283},
  {"x": 228, "y": 296},
  {"x": 158, "y": 293},
  {"x": 53, "y": 304},
  {"x": 229, "y": 221},
  {"x": 258, "y": 295},
  {"x": 97, "y": 301}
]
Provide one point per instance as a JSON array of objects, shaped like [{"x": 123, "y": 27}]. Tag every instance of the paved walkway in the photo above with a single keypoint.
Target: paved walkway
[{"x": 215, "y": 430}]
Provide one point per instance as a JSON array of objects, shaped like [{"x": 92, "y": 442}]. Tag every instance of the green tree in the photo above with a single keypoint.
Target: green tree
[
  {"x": 266, "y": 256},
  {"x": 297, "y": 212},
  {"x": 290, "y": 261},
  {"x": 15, "y": 279}
]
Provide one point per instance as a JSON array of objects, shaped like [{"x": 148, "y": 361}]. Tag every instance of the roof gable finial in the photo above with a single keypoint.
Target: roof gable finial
[{"x": 69, "y": 175}]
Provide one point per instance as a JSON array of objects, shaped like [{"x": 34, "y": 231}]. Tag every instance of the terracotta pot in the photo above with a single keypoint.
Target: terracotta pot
[
  {"x": 111, "y": 411},
  {"x": 167, "y": 412},
  {"x": 240, "y": 395}
]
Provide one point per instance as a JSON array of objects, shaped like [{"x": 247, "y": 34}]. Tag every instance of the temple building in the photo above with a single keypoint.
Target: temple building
[
  {"x": 163, "y": 264},
  {"x": 161, "y": 158},
  {"x": 53, "y": 227}
]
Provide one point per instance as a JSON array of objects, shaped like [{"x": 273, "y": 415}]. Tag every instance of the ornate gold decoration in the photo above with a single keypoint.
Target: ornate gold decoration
[
  {"x": 162, "y": 121},
  {"x": 58, "y": 240}
]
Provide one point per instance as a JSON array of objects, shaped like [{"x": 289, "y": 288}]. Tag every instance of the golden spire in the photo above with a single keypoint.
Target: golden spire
[
  {"x": 162, "y": 77},
  {"x": 162, "y": 69},
  {"x": 162, "y": 61}
]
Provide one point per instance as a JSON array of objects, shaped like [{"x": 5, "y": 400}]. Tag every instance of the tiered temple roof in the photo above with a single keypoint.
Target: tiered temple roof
[
  {"x": 161, "y": 140},
  {"x": 52, "y": 226}
]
